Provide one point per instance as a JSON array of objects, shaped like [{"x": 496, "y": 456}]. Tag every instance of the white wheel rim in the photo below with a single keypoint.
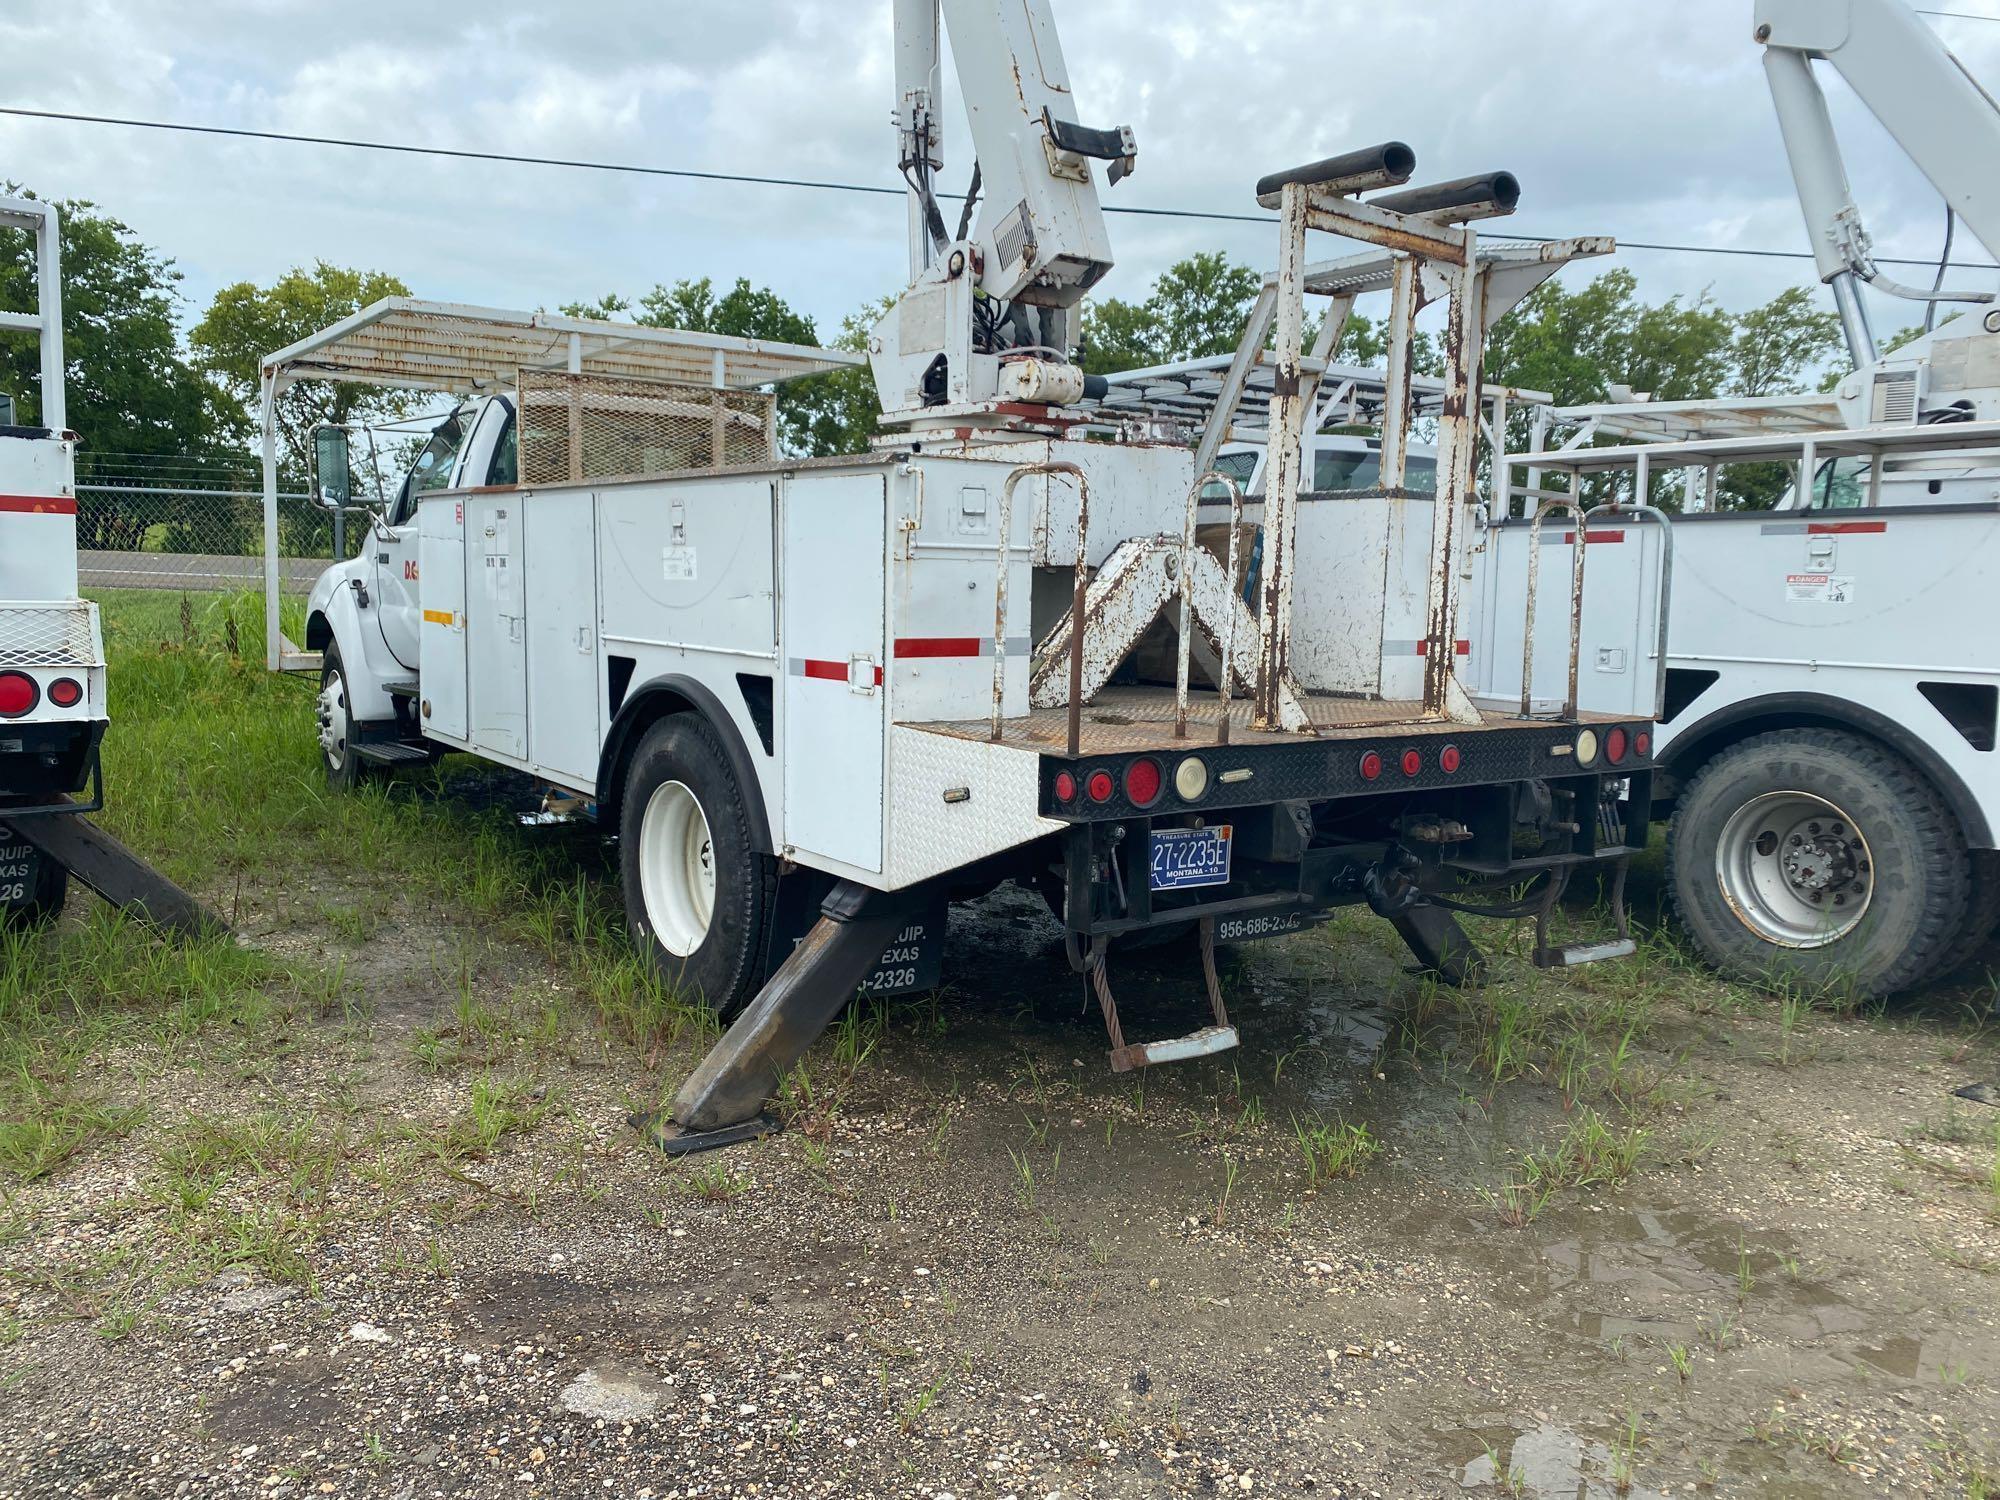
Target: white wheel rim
[
  {"x": 1795, "y": 869},
  {"x": 333, "y": 720},
  {"x": 676, "y": 868}
]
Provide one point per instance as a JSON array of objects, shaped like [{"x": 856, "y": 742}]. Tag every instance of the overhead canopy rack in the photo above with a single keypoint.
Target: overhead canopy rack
[
  {"x": 1887, "y": 443},
  {"x": 1692, "y": 421},
  {"x": 455, "y": 349},
  {"x": 447, "y": 346}
]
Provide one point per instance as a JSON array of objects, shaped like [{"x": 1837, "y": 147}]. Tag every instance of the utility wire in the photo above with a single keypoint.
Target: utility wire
[{"x": 633, "y": 168}]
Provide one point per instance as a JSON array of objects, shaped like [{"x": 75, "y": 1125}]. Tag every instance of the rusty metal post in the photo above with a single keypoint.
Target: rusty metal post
[
  {"x": 1079, "y": 594},
  {"x": 1458, "y": 454},
  {"x": 1286, "y": 439},
  {"x": 1542, "y": 513},
  {"x": 1229, "y": 615},
  {"x": 1000, "y": 598},
  {"x": 1403, "y": 307}
]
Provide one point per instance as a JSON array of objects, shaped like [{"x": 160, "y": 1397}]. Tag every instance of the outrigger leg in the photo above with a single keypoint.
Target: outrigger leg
[
  {"x": 113, "y": 871},
  {"x": 722, "y": 1101}
]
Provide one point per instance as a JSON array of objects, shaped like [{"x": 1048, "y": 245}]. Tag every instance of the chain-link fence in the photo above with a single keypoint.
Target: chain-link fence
[{"x": 149, "y": 521}]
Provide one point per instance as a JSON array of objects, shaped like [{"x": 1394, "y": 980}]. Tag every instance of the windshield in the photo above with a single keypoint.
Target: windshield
[
  {"x": 1361, "y": 469},
  {"x": 1238, "y": 466},
  {"x": 432, "y": 470}
]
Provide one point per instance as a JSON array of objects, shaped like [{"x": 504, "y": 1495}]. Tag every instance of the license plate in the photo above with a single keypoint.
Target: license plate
[
  {"x": 1260, "y": 924},
  {"x": 1187, "y": 857},
  {"x": 17, "y": 873}
]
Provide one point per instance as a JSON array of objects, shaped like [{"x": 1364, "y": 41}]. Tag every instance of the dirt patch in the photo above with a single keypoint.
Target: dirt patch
[{"x": 979, "y": 1264}]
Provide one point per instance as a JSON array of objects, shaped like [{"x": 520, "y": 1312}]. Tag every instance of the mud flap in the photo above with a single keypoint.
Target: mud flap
[{"x": 722, "y": 1100}]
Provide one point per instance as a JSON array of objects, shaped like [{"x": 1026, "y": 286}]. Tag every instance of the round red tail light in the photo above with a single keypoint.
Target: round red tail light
[
  {"x": 1100, "y": 786},
  {"x": 19, "y": 693},
  {"x": 65, "y": 692},
  {"x": 1615, "y": 744},
  {"x": 1065, "y": 787},
  {"x": 1449, "y": 759},
  {"x": 1143, "y": 779},
  {"x": 1371, "y": 766},
  {"x": 1413, "y": 762},
  {"x": 1642, "y": 742}
]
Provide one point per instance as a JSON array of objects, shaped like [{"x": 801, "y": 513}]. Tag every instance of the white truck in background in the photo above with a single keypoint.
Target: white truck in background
[{"x": 1831, "y": 683}]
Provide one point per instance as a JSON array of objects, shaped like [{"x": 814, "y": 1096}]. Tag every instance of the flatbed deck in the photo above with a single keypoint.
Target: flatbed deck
[{"x": 1125, "y": 720}]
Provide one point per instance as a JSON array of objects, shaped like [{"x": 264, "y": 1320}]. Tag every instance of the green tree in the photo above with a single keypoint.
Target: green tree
[
  {"x": 245, "y": 322},
  {"x": 128, "y": 389},
  {"x": 818, "y": 414},
  {"x": 1777, "y": 345},
  {"x": 1196, "y": 308}
]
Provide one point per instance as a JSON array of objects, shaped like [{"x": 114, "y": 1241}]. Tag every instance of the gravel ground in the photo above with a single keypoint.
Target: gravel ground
[{"x": 979, "y": 1265}]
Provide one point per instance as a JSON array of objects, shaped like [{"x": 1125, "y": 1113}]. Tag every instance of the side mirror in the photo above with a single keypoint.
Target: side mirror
[{"x": 333, "y": 484}]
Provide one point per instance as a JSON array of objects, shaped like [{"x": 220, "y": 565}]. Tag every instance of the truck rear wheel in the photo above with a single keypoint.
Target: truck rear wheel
[
  {"x": 1820, "y": 853},
  {"x": 698, "y": 897},
  {"x": 1982, "y": 912}
]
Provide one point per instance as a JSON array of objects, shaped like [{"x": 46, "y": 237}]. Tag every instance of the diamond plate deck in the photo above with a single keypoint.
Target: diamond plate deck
[{"x": 1124, "y": 720}]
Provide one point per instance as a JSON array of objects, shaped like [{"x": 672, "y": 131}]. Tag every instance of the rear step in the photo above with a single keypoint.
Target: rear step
[
  {"x": 1574, "y": 955},
  {"x": 390, "y": 752},
  {"x": 1209, "y": 1040}
]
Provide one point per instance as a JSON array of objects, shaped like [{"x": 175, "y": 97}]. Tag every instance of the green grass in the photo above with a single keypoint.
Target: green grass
[{"x": 1336, "y": 1149}]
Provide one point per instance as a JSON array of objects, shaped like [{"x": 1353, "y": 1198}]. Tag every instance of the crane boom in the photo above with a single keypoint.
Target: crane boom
[{"x": 1947, "y": 124}]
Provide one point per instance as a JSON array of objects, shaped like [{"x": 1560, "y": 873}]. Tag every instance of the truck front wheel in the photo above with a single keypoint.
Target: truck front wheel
[
  {"x": 335, "y": 722},
  {"x": 1820, "y": 854},
  {"x": 698, "y": 897}
]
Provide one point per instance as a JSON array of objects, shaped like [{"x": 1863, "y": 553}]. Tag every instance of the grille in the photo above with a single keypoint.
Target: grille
[
  {"x": 47, "y": 635},
  {"x": 1895, "y": 402},
  {"x": 599, "y": 427}
]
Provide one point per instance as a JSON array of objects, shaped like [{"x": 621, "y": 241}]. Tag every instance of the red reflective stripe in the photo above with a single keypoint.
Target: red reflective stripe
[
  {"x": 1844, "y": 528},
  {"x": 937, "y": 645},
  {"x": 832, "y": 671},
  {"x": 1464, "y": 648},
  {"x": 1596, "y": 536},
  {"x": 29, "y": 505}
]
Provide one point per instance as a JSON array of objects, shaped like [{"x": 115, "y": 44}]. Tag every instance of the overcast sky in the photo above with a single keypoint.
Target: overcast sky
[{"x": 1647, "y": 119}]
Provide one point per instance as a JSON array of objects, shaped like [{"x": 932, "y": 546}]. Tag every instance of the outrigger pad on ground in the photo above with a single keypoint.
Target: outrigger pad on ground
[
  {"x": 741, "y": 1071},
  {"x": 658, "y": 1127},
  {"x": 117, "y": 874}
]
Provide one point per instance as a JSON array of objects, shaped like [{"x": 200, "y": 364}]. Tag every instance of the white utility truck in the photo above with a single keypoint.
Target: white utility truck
[
  {"x": 1827, "y": 741},
  {"x": 818, "y": 699},
  {"x": 52, "y": 690}
]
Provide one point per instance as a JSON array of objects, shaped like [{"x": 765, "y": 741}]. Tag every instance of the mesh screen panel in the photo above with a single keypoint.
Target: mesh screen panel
[
  {"x": 46, "y": 635},
  {"x": 600, "y": 427}
]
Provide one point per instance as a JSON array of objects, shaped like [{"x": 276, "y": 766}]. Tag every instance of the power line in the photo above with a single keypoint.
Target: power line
[{"x": 639, "y": 169}]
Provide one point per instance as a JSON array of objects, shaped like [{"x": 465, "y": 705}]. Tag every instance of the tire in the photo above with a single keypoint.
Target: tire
[
  {"x": 47, "y": 892},
  {"x": 698, "y": 897},
  {"x": 1982, "y": 912},
  {"x": 1817, "y": 853},
  {"x": 344, "y": 769}
]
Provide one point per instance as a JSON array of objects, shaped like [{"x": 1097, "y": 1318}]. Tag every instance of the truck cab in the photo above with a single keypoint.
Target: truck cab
[{"x": 370, "y": 603}]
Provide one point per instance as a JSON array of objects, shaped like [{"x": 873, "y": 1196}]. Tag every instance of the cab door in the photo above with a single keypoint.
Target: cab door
[{"x": 394, "y": 543}]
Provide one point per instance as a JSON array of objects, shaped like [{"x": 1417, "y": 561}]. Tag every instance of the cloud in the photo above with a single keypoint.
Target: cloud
[{"x": 1648, "y": 121}]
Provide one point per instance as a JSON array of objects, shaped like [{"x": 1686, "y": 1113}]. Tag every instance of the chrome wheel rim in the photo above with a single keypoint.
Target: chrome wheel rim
[
  {"x": 1795, "y": 869},
  {"x": 677, "y": 868},
  {"x": 332, "y": 714}
]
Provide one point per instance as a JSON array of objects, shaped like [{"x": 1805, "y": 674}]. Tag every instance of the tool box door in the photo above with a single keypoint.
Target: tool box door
[
  {"x": 833, "y": 584},
  {"x": 496, "y": 639},
  {"x": 441, "y": 636}
]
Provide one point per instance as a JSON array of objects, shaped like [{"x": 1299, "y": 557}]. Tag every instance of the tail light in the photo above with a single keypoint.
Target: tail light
[
  {"x": 1190, "y": 778},
  {"x": 1143, "y": 780},
  {"x": 65, "y": 692},
  {"x": 1371, "y": 766},
  {"x": 1449, "y": 760},
  {"x": 1586, "y": 747},
  {"x": 1065, "y": 787},
  {"x": 1413, "y": 761},
  {"x": 19, "y": 693},
  {"x": 1615, "y": 744},
  {"x": 1100, "y": 786},
  {"x": 1643, "y": 742}
]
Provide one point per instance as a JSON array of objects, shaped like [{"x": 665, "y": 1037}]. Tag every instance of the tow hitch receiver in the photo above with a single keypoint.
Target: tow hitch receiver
[{"x": 1125, "y": 1056}]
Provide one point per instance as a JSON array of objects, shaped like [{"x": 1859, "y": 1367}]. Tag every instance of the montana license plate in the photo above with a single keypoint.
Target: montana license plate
[{"x": 1188, "y": 857}]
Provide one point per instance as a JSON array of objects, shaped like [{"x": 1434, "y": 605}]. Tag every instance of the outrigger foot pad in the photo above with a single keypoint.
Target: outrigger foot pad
[
  {"x": 658, "y": 1128},
  {"x": 729, "y": 1087}
]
